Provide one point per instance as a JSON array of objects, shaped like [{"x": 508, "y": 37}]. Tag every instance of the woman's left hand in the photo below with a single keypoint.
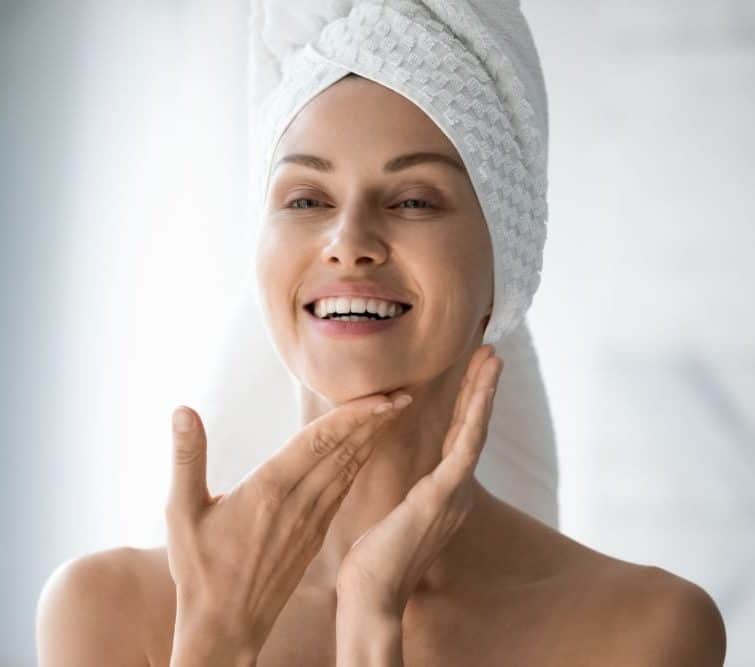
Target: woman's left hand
[{"x": 384, "y": 566}]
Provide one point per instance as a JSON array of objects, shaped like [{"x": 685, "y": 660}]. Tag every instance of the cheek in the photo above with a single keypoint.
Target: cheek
[
  {"x": 454, "y": 272},
  {"x": 280, "y": 266}
]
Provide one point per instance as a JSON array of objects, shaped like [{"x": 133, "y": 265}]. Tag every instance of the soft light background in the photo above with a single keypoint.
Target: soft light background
[{"x": 124, "y": 236}]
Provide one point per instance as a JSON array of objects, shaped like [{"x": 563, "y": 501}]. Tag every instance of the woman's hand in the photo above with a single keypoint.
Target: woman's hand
[
  {"x": 236, "y": 558},
  {"x": 384, "y": 566}
]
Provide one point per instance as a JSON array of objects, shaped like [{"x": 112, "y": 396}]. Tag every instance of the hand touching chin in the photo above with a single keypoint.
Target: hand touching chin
[{"x": 384, "y": 566}]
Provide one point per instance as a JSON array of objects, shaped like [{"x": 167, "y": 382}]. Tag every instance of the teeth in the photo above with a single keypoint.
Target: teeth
[
  {"x": 358, "y": 305},
  {"x": 345, "y": 305}
]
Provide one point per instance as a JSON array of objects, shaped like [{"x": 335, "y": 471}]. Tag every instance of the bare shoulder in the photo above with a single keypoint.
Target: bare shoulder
[
  {"x": 644, "y": 614},
  {"x": 88, "y": 611},
  {"x": 611, "y": 611},
  {"x": 669, "y": 620}
]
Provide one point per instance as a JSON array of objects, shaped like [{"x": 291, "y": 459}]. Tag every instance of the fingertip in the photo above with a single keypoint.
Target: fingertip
[
  {"x": 402, "y": 401},
  {"x": 183, "y": 419},
  {"x": 482, "y": 354},
  {"x": 380, "y": 408}
]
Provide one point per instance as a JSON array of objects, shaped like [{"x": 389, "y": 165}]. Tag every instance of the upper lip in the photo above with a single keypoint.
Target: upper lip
[{"x": 356, "y": 289}]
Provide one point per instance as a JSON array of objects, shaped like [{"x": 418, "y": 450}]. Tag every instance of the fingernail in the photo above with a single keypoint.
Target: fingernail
[
  {"x": 402, "y": 401},
  {"x": 183, "y": 420},
  {"x": 383, "y": 407}
]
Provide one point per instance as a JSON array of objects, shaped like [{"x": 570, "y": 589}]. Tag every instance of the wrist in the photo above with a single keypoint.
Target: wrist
[
  {"x": 368, "y": 636},
  {"x": 200, "y": 639},
  {"x": 192, "y": 653},
  {"x": 380, "y": 605}
]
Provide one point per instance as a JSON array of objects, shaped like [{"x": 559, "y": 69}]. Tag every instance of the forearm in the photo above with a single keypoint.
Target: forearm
[{"x": 367, "y": 639}]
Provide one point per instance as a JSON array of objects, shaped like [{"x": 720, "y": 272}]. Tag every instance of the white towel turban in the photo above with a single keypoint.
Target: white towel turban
[{"x": 472, "y": 67}]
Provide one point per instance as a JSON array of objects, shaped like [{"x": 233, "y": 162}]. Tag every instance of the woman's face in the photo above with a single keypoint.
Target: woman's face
[{"x": 415, "y": 228}]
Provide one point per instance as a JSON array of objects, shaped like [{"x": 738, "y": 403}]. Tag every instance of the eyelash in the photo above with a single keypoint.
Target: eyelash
[{"x": 310, "y": 199}]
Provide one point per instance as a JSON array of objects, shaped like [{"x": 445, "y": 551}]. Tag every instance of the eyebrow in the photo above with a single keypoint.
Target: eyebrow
[{"x": 392, "y": 166}]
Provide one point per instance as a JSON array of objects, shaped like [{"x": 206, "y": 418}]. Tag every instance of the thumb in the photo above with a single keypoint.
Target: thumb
[{"x": 188, "y": 492}]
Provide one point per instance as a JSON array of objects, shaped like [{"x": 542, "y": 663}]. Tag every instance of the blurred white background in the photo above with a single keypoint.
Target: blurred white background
[{"x": 124, "y": 236}]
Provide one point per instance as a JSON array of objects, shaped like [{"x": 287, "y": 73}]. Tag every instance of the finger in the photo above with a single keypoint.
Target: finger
[
  {"x": 467, "y": 388},
  {"x": 467, "y": 382},
  {"x": 466, "y": 440},
  {"x": 323, "y": 436},
  {"x": 334, "y": 493},
  {"x": 329, "y": 482},
  {"x": 188, "y": 489}
]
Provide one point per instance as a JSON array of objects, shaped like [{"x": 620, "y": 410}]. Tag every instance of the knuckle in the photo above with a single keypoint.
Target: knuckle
[
  {"x": 349, "y": 471},
  {"x": 322, "y": 443},
  {"x": 345, "y": 453},
  {"x": 186, "y": 452},
  {"x": 352, "y": 421}
]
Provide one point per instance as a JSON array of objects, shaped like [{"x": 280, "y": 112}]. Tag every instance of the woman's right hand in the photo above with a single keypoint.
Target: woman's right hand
[{"x": 236, "y": 558}]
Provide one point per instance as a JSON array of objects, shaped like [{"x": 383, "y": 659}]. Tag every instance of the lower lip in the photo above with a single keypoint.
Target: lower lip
[{"x": 339, "y": 328}]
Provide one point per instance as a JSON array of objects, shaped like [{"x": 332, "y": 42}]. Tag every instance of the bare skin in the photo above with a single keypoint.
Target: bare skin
[
  {"x": 506, "y": 589},
  {"x": 528, "y": 596}
]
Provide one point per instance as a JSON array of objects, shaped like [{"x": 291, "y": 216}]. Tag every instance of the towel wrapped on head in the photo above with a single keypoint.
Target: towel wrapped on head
[{"x": 472, "y": 67}]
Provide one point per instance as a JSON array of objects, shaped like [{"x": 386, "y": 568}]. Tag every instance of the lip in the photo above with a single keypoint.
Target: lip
[{"x": 364, "y": 289}]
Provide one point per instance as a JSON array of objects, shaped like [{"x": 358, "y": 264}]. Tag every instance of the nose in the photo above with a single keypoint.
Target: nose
[{"x": 353, "y": 241}]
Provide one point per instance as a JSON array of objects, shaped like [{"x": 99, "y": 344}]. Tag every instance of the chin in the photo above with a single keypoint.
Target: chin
[{"x": 350, "y": 390}]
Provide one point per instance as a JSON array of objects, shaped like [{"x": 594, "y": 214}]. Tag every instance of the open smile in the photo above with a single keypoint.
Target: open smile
[{"x": 337, "y": 324}]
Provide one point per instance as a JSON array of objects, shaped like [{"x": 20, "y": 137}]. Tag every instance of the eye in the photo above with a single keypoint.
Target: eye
[
  {"x": 308, "y": 202},
  {"x": 416, "y": 203},
  {"x": 302, "y": 202}
]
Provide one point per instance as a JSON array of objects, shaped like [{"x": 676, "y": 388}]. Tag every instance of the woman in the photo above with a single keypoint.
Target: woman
[{"x": 366, "y": 538}]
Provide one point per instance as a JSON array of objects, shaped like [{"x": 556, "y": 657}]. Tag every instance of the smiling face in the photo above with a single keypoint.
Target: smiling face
[{"x": 357, "y": 214}]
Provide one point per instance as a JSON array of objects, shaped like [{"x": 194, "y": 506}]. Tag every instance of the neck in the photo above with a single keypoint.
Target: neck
[{"x": 409, "y": 448}]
